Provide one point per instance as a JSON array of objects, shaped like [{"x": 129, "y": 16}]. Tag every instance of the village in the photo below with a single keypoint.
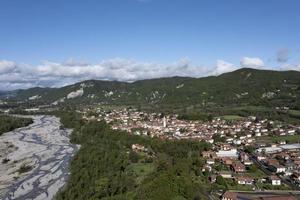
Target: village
[{"x": 246, "y": 154}]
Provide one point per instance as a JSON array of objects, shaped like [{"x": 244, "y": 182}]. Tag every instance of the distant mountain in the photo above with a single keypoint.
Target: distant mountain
[
  {"x": 2, "y": 93},
  {"x": 241, "y": 87}
]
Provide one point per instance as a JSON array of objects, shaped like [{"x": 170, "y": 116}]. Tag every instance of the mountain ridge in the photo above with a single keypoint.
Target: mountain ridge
[{"x": 243, "y": 86}]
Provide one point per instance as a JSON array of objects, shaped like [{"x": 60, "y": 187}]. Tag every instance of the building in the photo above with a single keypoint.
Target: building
[
  {"x": 244, "y": 180},
  {"x": 238, "y": 167},
  {"x": 227, "y": 161},
  {"x": 275, "y": 180},
  {"x": 138, "y": 147},
  {"x": 277, "y": 168},
  {"x": 232, "y": 153},
  {"x": 210, "y": 161},
  {"x": 229, "y": 196},
  {"x": 225, "y": 174}
]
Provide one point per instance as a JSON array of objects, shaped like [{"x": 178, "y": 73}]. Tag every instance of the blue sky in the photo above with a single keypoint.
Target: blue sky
[{"x": 161, "y": 32}]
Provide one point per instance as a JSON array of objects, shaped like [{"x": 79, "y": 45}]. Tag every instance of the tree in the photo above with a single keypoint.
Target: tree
[
  {"x": 221, "y": 181},
  {"x": 249, "y": 149},
  {"x": 133, "y": 157}
]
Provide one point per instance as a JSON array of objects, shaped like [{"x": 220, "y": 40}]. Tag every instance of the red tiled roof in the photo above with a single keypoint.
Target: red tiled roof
[{"x": 230, "y": 195}]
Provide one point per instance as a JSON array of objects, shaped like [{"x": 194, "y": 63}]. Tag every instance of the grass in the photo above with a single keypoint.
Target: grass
[
  {"x": 253, "y": 108},
  {"x": 231, "y": 117},
  {"x": 232, "y": 185},
  {"x": 294, "y": 113},
  {"x": 140, "y": 170},
  {"x": 257, "y": 174},
  {"x": 268, "y": 186},
  {"x": 241, "y": 187},
  {"x": 287, "y": 138}
]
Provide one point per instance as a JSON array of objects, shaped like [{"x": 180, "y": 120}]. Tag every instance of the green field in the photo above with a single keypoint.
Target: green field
[
  {"x": 287, "y": 138},
  {"x": 257, "y": 174},
  {"x": 268, "y": 186},
  {"x": 232, "y": 117},
  {"x": 294, "y": 113}
]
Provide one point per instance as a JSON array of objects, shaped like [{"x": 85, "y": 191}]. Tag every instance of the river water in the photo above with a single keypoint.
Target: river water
[{"x": 46, "y": 149}]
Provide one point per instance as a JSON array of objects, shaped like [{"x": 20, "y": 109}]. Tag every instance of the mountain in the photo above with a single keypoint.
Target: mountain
[{"x": 241, "y": 87}]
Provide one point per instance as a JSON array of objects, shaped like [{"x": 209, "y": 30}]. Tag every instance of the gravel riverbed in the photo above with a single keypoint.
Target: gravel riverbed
[{"x": 35, "y": 160}]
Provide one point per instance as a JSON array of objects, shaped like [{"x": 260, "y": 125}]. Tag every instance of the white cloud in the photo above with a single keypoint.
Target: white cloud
[
  {"x": 6, "y": 66},
  {"x": 252, "y": 62},
  {"x": 223, "y": 66},
  {"x": 290, "y": 67},
  {"x": 55, "y": 74}
]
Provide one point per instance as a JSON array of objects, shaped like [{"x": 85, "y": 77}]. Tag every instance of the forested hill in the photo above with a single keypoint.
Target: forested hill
[{"x": 241, "y": 87}]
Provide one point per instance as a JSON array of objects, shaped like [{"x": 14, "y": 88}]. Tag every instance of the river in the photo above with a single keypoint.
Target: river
[{"x": 43, "y": 151}]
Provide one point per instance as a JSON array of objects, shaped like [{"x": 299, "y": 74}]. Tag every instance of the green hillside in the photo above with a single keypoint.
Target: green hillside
[{"x": 239, "y": 88}]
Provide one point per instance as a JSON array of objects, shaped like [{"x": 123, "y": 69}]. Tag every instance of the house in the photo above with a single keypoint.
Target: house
[
  {"x": 243, "y": 156},
  {"x": 225, "y": 174},
  {"x": 206, "y": 168},
  {"x": 275, "y": 180},
  {"x": 257, "y": 134},
  {"x": 212, "y": 178},
  {"x": 244, "y": 180},
  {"x": 229, "y": 196},
  {"x": 226, "y": 161},
  {"x": 210, "y": 161},
  {"x": 138, "y": 147},
  {"x": 277, "y": 168},
  {"x": 248, "y": 162},
  {"x": 226, "y": 147},
  {"x": 261, "y": 157},
  {"x": 272, "y": 162},
  {"x": 228, "y": 153},
  {"x": 238, "y": 167},
  {"x": 208, "y": 154},
  {"x": 296, "y": 176}
]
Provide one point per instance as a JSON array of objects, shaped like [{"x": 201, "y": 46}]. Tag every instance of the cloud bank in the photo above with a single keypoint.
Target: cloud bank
[
  {"x": 54, "y": 74},
  {"x": 252, "y": 62}
]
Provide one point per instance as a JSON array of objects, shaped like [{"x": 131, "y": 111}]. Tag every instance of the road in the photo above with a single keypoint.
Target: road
[
  {"x": 268, "y": 172},
  {"x": 248, "y": 195},
  {"x": 45, "y": 147}
]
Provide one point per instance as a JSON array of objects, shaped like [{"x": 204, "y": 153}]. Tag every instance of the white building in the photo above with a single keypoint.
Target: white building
[{"x": 275, "y": 180}]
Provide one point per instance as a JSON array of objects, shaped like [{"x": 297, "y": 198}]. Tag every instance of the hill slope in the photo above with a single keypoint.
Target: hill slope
[{"x": 242, "y": 87}]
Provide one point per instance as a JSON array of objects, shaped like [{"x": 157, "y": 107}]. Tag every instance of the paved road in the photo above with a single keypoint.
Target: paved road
[
  {"x": 51, "y": 160},
  {"x": 248, "y": 195},
  {"x": 268, "y": 172}
]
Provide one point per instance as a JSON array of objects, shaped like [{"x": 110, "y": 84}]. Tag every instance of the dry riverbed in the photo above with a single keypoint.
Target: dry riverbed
[{"x": 34, "y": 160}]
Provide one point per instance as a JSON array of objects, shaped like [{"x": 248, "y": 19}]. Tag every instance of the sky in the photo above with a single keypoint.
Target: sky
[{"x": 52, "y": 43}]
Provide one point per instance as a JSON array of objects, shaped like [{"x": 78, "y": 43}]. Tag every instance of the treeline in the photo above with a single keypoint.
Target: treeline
[
  {"x": 106, "y": 167},
  {"x": 9, "y": 123},
  {"x": 196, "y": 116}
]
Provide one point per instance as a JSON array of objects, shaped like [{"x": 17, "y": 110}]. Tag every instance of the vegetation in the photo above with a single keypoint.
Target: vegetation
[
  {"x": 231, "y": 117},
  {"x": 24, "y": 168},
  {"x": 196, "y": 116},
  {"x": 248, "y": 89},
  {"x": 287, "y": 138},
  {"x": 9, "y": 123},
  {"x": 107, "y": 168},
  {"x": 269, "y": 186},
  {"x": 255, "y": 172}
]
